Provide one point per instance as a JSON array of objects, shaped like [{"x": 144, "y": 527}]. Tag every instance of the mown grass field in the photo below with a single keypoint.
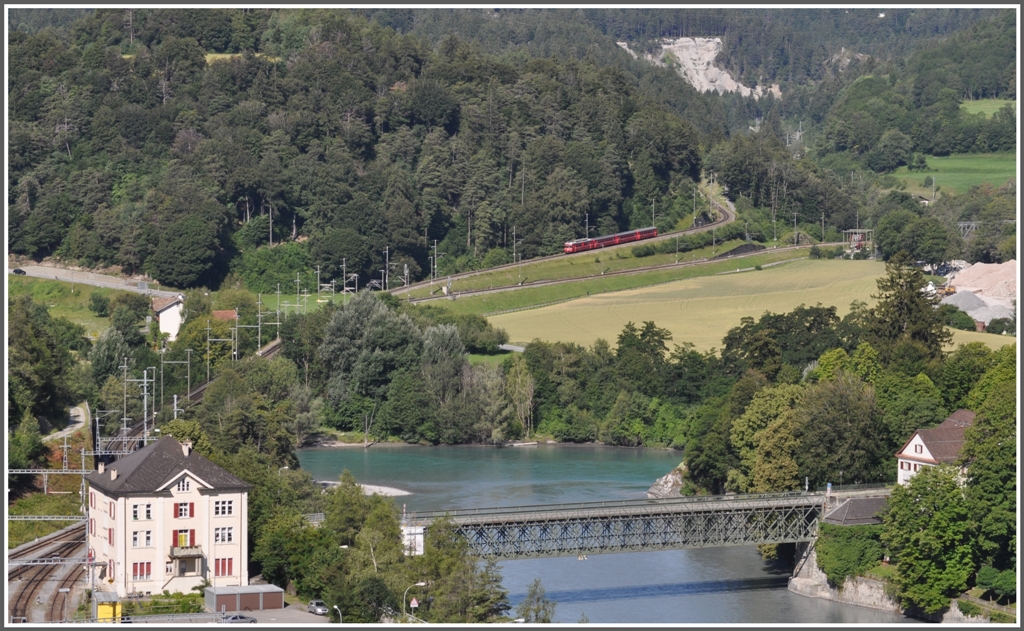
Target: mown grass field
[
  {"x": 699, "y": 310},
  {"x": 988, "y": 107},
  {"x": 528, "y": 297},
  {"x": 958, "y": 173},
  {"x": 61, "y": 302}
]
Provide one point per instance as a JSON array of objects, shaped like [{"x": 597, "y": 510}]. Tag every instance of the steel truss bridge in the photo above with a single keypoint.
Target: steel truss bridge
[{"x": 631, "y": 525}]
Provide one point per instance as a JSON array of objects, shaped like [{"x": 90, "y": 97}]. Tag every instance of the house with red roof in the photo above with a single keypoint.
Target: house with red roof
[{"x": 934, "y": 446}]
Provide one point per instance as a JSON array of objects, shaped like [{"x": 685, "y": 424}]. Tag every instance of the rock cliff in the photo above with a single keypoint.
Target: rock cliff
[
  {"x": 694, "y": 59},
  {"x": 667, "y": 485}
]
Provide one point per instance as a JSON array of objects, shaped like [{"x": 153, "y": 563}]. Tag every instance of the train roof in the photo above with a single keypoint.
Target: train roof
[{"x": 608, "y": 236}]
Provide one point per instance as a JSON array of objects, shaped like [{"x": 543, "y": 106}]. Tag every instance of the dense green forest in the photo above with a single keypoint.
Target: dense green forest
[{"x": 194, "y": 145}]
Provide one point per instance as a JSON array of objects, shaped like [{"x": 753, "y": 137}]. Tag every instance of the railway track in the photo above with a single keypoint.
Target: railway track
[
  {"x": 26, "y": 582},
  {"x": 727, "y": 216},
  {"x": 63, "y": 600}
]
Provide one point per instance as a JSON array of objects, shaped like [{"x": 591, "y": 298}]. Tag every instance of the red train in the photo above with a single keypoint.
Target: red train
[{"x": 582, "y": 245}]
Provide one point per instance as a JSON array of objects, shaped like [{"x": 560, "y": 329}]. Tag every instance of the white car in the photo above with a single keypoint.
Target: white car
[
  {"x": 318, "y": 607},
  {"x": 238, "y": 618}
]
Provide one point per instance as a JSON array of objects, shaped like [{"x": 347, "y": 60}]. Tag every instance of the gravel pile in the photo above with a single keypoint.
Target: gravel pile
[
  {"x": 998, "y": 280},
  {"x": 987, "y": 314},
  {"x": 965, "y": 301}
]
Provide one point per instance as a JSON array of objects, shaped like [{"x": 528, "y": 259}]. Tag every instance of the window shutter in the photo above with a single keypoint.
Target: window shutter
[
  {"x": 175, "y": 510},
  {"x": 191, "y": 509},
  {"x": 230, "y": 571},
  {"x": 191, "y": 537}
]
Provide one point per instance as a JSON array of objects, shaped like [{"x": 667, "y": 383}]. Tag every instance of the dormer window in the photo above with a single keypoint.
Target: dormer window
[{"x": 183, "y": 485}]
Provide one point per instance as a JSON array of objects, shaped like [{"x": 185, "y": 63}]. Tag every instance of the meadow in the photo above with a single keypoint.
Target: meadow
[
  {"x": 702, "y": 310},
  {"x": 958, "y": 173},
  {"x": 988, "y": 107}
]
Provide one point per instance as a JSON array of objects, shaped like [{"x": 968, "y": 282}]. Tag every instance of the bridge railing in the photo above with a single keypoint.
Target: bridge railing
[{"x": 718, "y": 500}]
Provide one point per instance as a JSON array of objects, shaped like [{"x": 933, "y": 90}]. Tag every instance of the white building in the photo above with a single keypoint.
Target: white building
[
  {"x": 931, "y": 447},
  {"x": 170, "y": 313},
  {"x": 166, "y": 518}
]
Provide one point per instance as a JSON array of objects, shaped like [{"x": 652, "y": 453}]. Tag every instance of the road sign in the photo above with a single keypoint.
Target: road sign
[{"x": 414, "y": 604}]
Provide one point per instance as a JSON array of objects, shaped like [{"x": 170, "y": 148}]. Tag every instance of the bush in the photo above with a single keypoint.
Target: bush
[
  {"x": 952, "y": 316},
  {"x": 816, "y": 252},
  {"x": 968, "y": 609},
  {"x": 845, "y": 551},
  {"x": 998, "y": 616},
  {"x": 641, "y": 251},
  {"x": 99, "y": 304},
  {"x": 1002, "y": 325}
]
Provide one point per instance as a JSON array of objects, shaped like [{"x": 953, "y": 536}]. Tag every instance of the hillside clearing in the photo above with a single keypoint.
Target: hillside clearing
[
  {"x": 958, "y": 173},
  {"x": 988, "y": 107}
]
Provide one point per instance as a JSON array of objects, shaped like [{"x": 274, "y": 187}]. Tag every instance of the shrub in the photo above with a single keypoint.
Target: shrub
[
  {"x": 845, "y": 551},
  {"x": 968, "y": 609},
  {"x": 99, "y": 304},
  {"x": 954, "y": 317},
  {"x": 1002, "y": 325},
  {"x": 998, "y": 616},
  {"x": 641, "y": 251},
  {"x": 816, "y": 252}
]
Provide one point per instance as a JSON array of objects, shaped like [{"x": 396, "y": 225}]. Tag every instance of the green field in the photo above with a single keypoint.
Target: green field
[
  {"x": 988, "y": 107},
  {"x": 61, "y": 302},
  {"x": 958, "y": 173},
  {"x": 699, "y": 310},
  {"x": 529, "y": 297}
]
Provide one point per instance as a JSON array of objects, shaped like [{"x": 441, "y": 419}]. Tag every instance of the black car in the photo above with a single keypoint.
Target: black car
[{"x": 19, "y": 271}]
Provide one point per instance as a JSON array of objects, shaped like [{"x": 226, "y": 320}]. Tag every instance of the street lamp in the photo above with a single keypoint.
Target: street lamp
[
  {"x": 420, "y": 584},
  {"x": 280, "y": 470},
  {"x": 339, "y": 613}
]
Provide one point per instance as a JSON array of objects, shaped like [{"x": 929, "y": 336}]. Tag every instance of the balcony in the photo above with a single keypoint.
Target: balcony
[{"x": 185, "y": 552}]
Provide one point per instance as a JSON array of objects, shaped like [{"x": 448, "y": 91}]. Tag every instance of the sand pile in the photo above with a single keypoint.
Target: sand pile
[{"x": 996, "y": 280}]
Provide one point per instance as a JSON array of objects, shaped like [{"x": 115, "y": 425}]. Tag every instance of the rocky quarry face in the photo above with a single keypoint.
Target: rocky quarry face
[{"x": 694, "y": 60}]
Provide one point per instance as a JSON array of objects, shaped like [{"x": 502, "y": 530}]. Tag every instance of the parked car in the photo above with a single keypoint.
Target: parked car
[
  {"x": 19, "y": 271},
  {"x": 318, "y": 607},
  {"x": 237, "y": 618}
]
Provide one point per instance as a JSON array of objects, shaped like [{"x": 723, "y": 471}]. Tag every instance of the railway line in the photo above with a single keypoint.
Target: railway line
[
  {"x": 26, "y": 582},
  {"x": 725, "y": 216}
]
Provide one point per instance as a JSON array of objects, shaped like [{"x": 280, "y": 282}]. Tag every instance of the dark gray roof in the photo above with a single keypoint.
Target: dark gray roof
[
  {"x": 945, "y": 439},
  {"x": 156, "y": 464},
  {"x": 857, "y": 511}
]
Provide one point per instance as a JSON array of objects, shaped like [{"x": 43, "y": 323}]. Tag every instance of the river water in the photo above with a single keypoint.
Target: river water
[{"x": 730, "y": 585}]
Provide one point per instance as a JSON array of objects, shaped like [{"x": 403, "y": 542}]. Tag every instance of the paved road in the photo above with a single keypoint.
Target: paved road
[
  {"x": 78, "y": 415},
  {"x": 90, "y": 278}
]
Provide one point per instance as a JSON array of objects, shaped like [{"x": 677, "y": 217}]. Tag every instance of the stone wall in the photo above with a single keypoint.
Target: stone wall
[{"x": 808, "y": 580}]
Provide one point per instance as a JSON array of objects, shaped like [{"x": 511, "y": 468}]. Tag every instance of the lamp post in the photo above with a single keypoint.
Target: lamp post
[
  {"x": 339, "y": 613},
  {"x": 420, "y": 584},
  {"x": 280, "y": 470}
]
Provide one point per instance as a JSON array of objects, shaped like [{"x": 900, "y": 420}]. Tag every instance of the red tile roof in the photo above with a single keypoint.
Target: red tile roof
[{"x": 224, "y": 314}]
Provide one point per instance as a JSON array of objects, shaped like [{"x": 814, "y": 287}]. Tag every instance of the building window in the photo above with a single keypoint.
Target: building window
[
  {"x": 918, "y": 449},
  {"x": 92, "y": 525},
  {"x": 223, "y": 567},
  {"x": 186, "y": 509},
  {"x": 183, "y": 485},
  {"x": 169, "y": 567},
  {"x": 142, "y": 539},
  {"x": 223, "y": 535},
  {"x": 112, "y": 505},
  {"x": 142, "y": 571},
  {"x": 92, "y": 500},
  {"x": 110, "y": 536},
  {"x": 142, "y": 511},
  {"x": 916, "y": 467},
  {"x": 223, "y": 507},
  {"x": 110, "y": 567}
]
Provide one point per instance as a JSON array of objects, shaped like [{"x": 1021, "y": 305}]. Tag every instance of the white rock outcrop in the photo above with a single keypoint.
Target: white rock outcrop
[
  {"x": 667, "y": 485},
  {"x": 694, "y": 60}
]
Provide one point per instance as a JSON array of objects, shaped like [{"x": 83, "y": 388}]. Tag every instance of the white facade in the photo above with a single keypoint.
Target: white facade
[
  {"x": 171, "y": 318},
  {"x": 910, "y": 460},
  {"x": 171, "y": 539}
]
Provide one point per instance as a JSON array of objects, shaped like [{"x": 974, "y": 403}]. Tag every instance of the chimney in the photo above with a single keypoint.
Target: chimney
[
  {"x": 102, "y": 467},
  {"x": 113, "y": 474},
  {"x": 186, "y": 447}
]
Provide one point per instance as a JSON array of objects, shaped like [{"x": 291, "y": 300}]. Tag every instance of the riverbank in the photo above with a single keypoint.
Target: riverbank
[{"x": 808, "y": 580}]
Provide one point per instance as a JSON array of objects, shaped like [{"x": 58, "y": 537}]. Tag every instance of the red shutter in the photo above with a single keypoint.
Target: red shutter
[
  {"x": 110, "y": 536},
  {"x": 191, "y": 537},
  {"x": 135, "y": 571},
  {"x": 191, "y": 509},
  {"x": 175, "y": 510},
  {"x": 230, "y": 572},
  {"x": 149, "y": 569}
]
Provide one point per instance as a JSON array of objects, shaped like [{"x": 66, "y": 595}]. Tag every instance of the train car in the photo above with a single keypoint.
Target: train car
[{"x": 582, "y": 245}]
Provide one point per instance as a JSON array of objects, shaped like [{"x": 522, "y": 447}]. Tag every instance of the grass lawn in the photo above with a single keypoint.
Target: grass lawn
[
  {"x": 19, "y": 532},
  {"x": 988, "y": 107},
  {"x": 528, "y": 297},
  {"x": 699, "y": 310},
  {"x": 993, "y": 341},
  {"x": 958, "y": 173},
  {"x": 60, "y": 300},
  {"x": 478, "y": 359}
]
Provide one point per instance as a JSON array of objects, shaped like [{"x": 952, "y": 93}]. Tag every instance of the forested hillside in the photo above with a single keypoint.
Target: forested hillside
[{"x": 193, "y": 144}]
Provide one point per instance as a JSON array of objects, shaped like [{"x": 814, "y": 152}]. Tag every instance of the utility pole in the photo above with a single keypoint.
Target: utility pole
[
  {"x": 822, "y": 227},
  {"x": 296, "y": 292},
  {"x": 387, "y": 279},
  {"x": 796, "y": 235}
]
